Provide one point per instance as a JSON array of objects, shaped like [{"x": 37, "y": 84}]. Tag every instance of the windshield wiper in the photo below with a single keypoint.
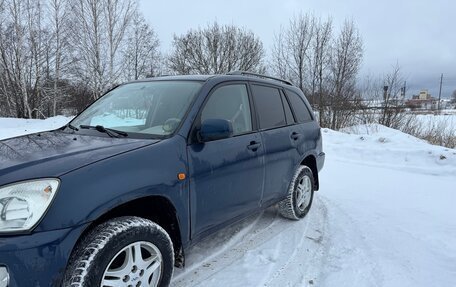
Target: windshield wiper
[
  {"x": 72, "y": 127},
  {"x": 111, "y": 132}
]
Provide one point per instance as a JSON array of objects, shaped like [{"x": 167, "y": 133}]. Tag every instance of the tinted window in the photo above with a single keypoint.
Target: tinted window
[
  {"x": 288, "y": 113},
  {"x": 299, "y": 107},
  {"x": 230, "y": 103},
  {"x": 268, "y": 106}
]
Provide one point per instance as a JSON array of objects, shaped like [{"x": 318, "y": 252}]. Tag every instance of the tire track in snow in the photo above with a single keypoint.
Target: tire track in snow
[
  {"x": 219, "y": 250},
  {"x": 266, "y": 253},
  {"x": 307, "y": 257},
  {"x": 232, "y": 236},
  {"x": 346, "y": 248}
]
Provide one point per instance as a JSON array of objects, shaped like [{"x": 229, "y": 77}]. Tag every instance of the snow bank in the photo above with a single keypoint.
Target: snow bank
[
  {"x": 12, "y": 127},
  {"x": 377, "y": 145}
]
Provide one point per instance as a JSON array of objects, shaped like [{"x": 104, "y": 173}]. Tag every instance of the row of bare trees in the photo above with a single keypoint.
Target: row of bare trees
[
  {"x": 384, "y": 99},
  {"x": 61, "y": 54},
  {"x": 56, "y": 54},
  {"x": 323, "y": 63}
]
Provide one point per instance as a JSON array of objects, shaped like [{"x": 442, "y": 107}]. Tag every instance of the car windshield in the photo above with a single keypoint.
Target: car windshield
[{"x": 141, "y": 108}]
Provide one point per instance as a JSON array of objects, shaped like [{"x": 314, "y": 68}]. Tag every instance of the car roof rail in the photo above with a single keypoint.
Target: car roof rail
[{"x": 244, "y": 73}]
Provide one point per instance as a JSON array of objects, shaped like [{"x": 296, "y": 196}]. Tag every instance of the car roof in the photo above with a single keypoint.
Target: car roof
[
  {"x": 202, "y": 78},
  {"x": 221, "y": 78}
]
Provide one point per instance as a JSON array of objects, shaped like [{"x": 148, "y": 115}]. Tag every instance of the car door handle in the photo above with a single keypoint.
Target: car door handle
[
  {"x": 295, "y": 136},
  {"x": 253, "y": 146}
]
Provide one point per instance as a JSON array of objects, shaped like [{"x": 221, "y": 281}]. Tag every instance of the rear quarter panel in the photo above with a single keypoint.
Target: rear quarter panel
[{"x": 312, "y": 139}]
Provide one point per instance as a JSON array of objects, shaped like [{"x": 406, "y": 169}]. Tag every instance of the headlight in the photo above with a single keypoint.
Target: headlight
[{"x": 23, "y": 204}]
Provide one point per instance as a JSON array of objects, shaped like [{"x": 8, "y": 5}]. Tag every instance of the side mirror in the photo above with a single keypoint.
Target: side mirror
[{"x": 215, "y": 129}]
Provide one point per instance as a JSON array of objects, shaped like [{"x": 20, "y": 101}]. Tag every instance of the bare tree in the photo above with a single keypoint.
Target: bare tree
[
  {"x": 279, "y": 65},
  {"x": 99, "y": 36},
  {"x": 319, "y": 63},
  {"x": 23, "y": 41},
  {"x": 453, "y": 97},
  {"x": 38, "y": 41},
  {"x": 141, "y": 55},
  {"x": 392, "y": 105},
  {"x": 323, "y": 67},
  {"x": 291, "y": 50},
  {"x": 59, "y": 27},
  {"x": 215, "y": 50},
  {"x": 119, "y": 14},
  {"x": 89, "y": 39},
  {"x": 33, "y": 50},
  {"x": 51, "y": 50},
  {"x": 5, "y": 100},
  {"x": 16, "y": 58},
  {"x": 347, "y": 54}
]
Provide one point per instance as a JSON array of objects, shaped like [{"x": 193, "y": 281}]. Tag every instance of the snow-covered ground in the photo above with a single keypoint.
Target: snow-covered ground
[
  {"x": 11, "y": 127},
  {"x": 385, "y": 216},
  {"x": 446, "y": 120}
]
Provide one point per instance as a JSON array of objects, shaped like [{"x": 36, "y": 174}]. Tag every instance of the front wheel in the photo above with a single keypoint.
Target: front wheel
[
  {"x": 126, "y": 251},
  {"x": 300, "y": 195}
]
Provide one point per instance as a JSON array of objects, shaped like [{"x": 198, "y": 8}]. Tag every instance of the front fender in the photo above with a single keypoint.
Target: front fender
[{"x": 88, "y": 193}]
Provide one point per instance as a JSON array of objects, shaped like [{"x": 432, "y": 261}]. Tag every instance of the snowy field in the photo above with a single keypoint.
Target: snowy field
[
  {"x": 447, "y": 119},
  {"x": 385, "y": 216}
]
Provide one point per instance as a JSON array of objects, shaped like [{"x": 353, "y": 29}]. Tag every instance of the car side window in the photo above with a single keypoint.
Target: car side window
[
  {"x": 230, "y": 102},
  {"x": 300, "y": 109},
  {"x": 268, "y": 104},
  {"x": 288, "y": 113}
]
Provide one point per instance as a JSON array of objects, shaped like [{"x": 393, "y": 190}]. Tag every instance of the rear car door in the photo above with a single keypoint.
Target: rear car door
[
  {"x": 281, "y": 139},
  {"x": 306, "y": 125},
  {"x": 226, "y": 175}
]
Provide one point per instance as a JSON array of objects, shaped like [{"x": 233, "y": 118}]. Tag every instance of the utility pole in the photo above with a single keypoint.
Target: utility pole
[
  {"x": 403, "y": 91},
  {"x": 440, "y": 92},
  {"x": 405, "y": 88}
]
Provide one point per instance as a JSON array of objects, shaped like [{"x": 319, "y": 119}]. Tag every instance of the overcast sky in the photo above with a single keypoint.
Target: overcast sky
[{"x": 418, "y": 34}]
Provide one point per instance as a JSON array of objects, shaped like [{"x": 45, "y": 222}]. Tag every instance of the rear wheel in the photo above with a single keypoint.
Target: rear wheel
[
  {"x": 300, "y": 195},
  {"x": 126, "y": 251}
]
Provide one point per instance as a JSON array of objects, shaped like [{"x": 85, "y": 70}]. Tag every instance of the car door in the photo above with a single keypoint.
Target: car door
[
  {"x": 280, "y": 137},
  {"x": 306, "y": 125},
  {"x": 226, "y": 175}
]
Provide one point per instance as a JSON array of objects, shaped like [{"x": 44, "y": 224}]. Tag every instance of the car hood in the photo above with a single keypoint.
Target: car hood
[{"x": 52, "y": 154}]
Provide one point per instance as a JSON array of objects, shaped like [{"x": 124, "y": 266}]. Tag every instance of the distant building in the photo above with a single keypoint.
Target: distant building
[
  {"x": 445, "y": 104},
  {"x": 423, "y": 101},
  {"x": 424, "y": 95}
]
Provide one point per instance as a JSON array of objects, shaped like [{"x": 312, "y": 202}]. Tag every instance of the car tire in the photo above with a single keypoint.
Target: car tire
[
  {"x": 300, "y": 195},
  {"x": 109, "y": 254}
]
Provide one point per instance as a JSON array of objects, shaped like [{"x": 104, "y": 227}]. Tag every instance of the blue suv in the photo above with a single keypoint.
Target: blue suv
[{"x": 115, "y": 197}]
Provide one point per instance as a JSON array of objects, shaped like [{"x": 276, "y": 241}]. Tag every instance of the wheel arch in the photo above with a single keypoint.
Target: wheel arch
[
  {"x": 158, "y": 209},
  {"x": 311, "y": 162}
]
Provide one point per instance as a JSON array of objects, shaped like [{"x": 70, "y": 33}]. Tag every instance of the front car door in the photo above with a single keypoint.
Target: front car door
[{"x": 226, "y": 175}]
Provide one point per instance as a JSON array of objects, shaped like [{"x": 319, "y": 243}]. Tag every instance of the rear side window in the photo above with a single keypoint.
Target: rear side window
[
  {"x": 299, "y": 107},
  {"x": 269, "y": 107}
]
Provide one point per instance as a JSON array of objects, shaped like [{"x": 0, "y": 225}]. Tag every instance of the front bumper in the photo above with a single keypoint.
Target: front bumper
[{"x": 38, "y": 259}]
